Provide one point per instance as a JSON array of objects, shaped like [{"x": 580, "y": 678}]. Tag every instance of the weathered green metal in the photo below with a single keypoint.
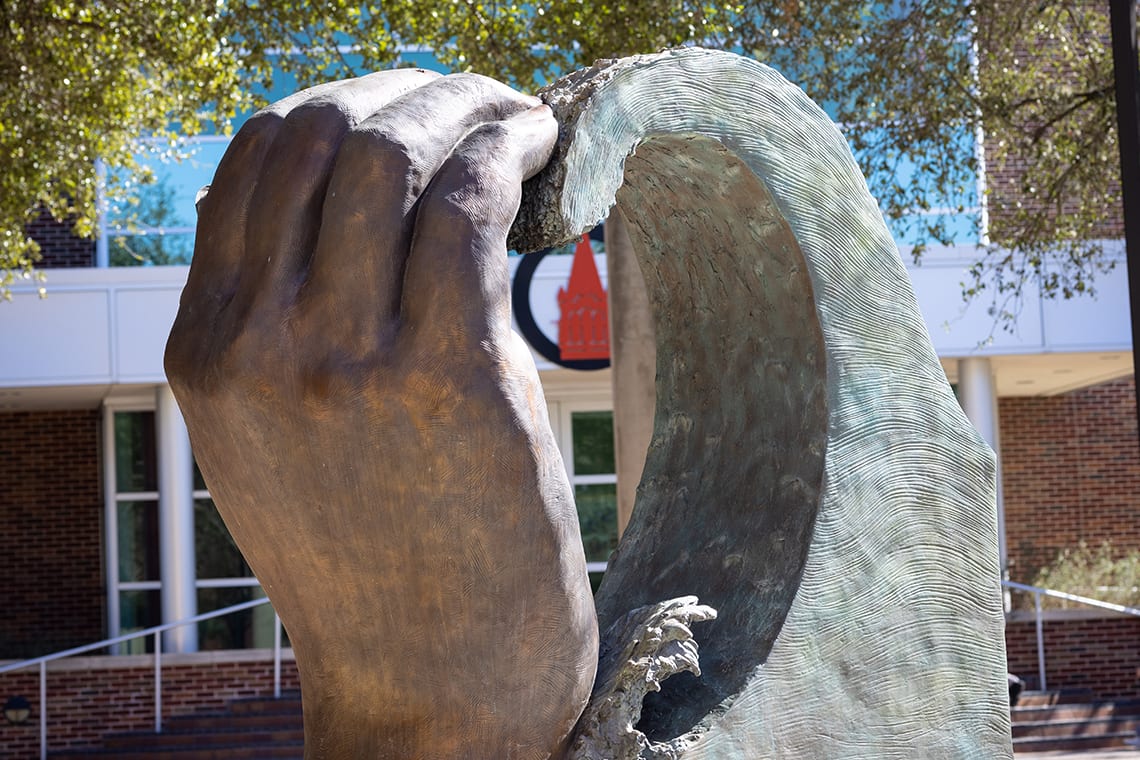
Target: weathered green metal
[{"x": 811, "y": 474}]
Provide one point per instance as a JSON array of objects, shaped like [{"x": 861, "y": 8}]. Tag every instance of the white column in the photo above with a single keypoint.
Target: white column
[
  {"x": 977, "y": 392},
  {"x": 633, "y": 360},
  {"x": 102, "y": 241},
  {"x": 176, "y": 523}
]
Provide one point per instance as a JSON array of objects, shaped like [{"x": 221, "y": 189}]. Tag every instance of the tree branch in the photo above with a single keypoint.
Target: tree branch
[{"x": 1082, "y": 100}]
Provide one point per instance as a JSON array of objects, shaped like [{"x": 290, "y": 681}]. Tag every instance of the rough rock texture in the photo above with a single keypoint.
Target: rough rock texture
[
  {"x": 639, "y": 651},
  {"x": 811, "y": 475}
]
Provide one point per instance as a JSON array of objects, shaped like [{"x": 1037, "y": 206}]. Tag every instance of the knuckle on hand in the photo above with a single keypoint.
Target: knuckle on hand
[
  {"x": 368, "y": 153},
  {"x": 320, "y": 119}
]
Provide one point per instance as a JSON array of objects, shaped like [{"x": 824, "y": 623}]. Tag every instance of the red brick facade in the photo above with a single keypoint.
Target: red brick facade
[
  {"x": 1071, "y": 473},
  {"x": 59, "y": 247},
  {"x": 1098, "y": 655},
  {"x": 91, "y": 697},
  {"x": 51, "y": 510}
]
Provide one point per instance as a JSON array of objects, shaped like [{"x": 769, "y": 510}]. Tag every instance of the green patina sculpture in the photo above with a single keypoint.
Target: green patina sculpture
[{"x": 376, "y": 438}]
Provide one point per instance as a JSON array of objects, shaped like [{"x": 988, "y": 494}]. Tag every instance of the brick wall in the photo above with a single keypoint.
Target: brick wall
[
  {"x": 51, "y": 511},
  {"x": 1097, "y": 654},
  {"x": 90, "y": 697},
  {"x": 1071, "y": 473},
  {"x": 58, "y": 246}
]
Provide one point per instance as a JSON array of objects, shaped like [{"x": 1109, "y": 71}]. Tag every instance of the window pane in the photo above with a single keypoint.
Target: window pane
[
  {"x": 238, "y": 630},
  {"x": 139, "y": 610},
  {"x": 138, "y": 541},
  {"x": 216, "y": 554},
  {"x": 151, "y": 249},
  {"x": 199, "y": 481},
  {"x": 167, "y": 200},
  {"x": 593, "y": 434},
  {"x": 597, "y": 514},
  {"x": 135, "y": 454}
]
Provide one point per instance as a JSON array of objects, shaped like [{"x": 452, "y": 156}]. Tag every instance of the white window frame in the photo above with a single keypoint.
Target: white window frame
[
  {"x": 143, "y": 401},
  {"x": 561, "y": 414}
]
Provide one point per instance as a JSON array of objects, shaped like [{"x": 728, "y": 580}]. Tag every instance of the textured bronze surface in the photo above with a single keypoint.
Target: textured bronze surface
[
  {"x": 373, "y": 433},
  {"x": 377, "y": 441}
]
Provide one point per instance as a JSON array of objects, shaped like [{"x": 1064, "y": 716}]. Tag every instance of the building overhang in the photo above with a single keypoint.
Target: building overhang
[{"x": 100, "y": 333}]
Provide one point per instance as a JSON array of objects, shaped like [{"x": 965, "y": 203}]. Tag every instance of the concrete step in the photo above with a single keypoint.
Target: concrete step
[
  {"x": 169, "y": 739},
  {"x": 1047, "y": 723},
  {"x": 1087, "y": 711},
  {"x": 1073, "y": 743},
  {"x": 1082, "y": 728},
  {"x": 219, "y": 721},
  {"x": 247, "y": 730},
  {"x": 1054, "y": 697},
  {"x": 288, "y": 702},
  {"x": 277, "y": 752}
]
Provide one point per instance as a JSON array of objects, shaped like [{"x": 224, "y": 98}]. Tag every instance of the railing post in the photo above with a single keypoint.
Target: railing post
[
  {"x": 1040, "y": 642},
  {"x": 158, "y": 682},
  {"x": 276, "y": 656},
  {"x": 43, "y": 711}
]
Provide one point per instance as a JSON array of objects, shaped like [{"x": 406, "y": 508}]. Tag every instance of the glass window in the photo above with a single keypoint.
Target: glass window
[
  {"x": 597, "y": 515},
  {"x": 136, "y": 462},
  {"x": 199, "y": 481},
  {"x": 138, "y": 541},
  {"x": 223, "y": 575},
  {"x": 150, "y": 249},
  {"x": 215, "y": 553},
  {"x": 139, "y": 610},
  {"x": 239, "y": 630},
  {"x": 593, "y": 434},
  {"x": 156, "y": 227},
  {"x": 592, "y": 473}
]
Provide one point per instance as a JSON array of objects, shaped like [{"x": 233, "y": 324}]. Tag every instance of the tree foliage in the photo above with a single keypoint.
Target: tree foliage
[
  {"x": 914, "y": 83},
  {"x": 1106, "y": 573},
  {"x": 85, "y": 80},
  {"x": 1048, "y": 105}
]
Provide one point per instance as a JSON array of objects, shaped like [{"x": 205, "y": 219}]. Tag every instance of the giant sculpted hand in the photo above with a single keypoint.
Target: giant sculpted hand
[{"x": 372, "y": 431}]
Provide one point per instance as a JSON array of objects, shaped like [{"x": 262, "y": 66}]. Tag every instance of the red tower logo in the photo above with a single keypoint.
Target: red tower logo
[{"x": 584, "y": 326}]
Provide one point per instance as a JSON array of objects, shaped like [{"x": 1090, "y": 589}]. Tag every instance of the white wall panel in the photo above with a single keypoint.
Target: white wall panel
[
  {"x": 143, "y": 318},
  {"x": 61, "y": 339}
]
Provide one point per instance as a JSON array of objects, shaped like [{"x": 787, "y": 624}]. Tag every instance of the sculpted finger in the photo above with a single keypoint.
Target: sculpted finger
[
  {"x": 383, "y": 168},
  {"x": 457, "y": 289},
  {"x": 224, "y": 208},
  {"x": 285, "y": 208},
  {"x": 219, "y": 244}
]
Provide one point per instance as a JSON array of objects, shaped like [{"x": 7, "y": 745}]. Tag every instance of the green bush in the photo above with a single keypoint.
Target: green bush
[{"x": 1104, "y": 573}]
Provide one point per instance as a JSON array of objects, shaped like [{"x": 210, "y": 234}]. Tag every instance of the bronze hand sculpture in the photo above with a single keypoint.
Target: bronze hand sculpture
[{"x": 373, "y": 433}]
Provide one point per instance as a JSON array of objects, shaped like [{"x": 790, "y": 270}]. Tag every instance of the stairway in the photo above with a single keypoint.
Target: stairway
[
  {"x": 1070, "y": 721},
  {"x": 247, "y": 729},
  {"x": 250, "y": 729}
]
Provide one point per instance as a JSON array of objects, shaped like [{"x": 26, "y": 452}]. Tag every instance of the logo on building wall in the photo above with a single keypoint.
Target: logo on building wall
[{"x": 583, "y": 321}]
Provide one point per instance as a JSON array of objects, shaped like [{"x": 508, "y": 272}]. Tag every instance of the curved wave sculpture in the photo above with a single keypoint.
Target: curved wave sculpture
[{"x": 811, "y": 475}]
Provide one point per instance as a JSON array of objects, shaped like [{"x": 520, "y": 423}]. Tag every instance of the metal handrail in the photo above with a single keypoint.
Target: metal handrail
[
  {"x": 1039, "y": 592},
  {"x": 157, "y": 632}
]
